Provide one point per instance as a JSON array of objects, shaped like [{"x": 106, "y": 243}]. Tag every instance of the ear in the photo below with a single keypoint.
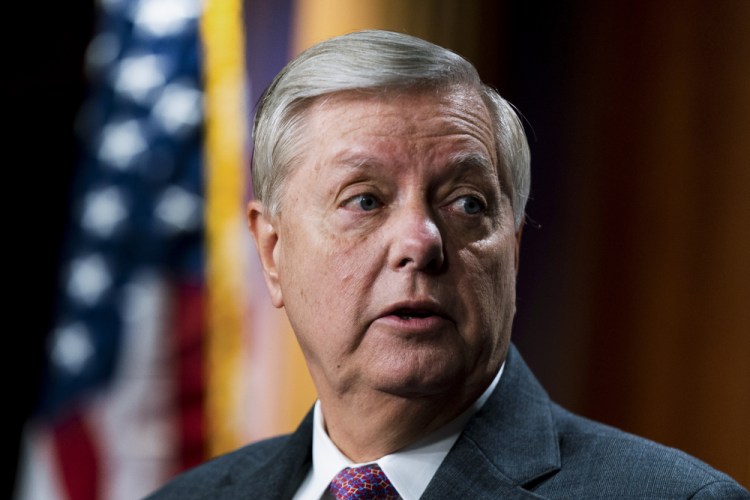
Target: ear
[
  {"x": 266, "y": 235},
  {"x": 518, "y": 243}
]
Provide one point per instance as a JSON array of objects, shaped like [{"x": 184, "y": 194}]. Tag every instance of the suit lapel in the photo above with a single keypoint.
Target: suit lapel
[
  {"x": 465, "y": 473},
  {"x": 510, "y": 443}
]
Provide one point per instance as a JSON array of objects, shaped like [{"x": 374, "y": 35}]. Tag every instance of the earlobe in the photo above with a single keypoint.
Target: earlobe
[{"x": 265, "y": 233}]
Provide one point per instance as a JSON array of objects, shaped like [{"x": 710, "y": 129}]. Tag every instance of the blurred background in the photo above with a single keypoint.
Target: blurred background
[{"x": 143, "y": 341}]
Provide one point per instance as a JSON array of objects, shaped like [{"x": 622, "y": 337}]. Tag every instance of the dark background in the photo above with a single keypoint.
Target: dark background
[
  {"x": 45, "y": 81},
  {"x": 634, "y": 290}
]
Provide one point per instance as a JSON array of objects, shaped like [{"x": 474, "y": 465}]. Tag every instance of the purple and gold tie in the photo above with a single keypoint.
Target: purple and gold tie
[{"x": 368, "y": 482}]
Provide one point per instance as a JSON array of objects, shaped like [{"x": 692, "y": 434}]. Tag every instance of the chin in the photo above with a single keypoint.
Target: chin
[{"x": 414, "y": 378}]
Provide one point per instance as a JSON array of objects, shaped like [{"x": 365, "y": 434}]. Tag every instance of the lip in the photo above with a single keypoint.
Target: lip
[
  {"x": 419, "y": 306},
  {"x": 428, "y": 315}
]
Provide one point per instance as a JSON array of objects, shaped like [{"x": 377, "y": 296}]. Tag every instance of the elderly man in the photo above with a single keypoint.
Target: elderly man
[{"x": 390, "y": 189}]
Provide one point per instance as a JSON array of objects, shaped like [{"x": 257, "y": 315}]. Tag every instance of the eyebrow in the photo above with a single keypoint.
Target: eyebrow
[
  {"x": 355, "y": 161},
  {"x": 468, "y": 159},
  {"x": 468, "y": 164},
  {"x": 463, "y": 163},
  {"x": 473, "y": 160},
  {"x": 352, "y": 163}
]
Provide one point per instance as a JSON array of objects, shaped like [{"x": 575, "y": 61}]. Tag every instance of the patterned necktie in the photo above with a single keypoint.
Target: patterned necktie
[{"x": 368, "y": 482}]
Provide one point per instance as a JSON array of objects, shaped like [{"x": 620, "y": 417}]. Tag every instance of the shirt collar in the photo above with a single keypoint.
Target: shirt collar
[{"x": 410, "y": 469}]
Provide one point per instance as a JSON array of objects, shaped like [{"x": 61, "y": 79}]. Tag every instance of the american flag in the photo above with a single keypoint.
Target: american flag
[{"x": 121, "y": 408}]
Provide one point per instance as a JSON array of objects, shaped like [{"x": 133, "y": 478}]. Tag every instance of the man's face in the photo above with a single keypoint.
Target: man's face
[{"x": 394, "y": 252}]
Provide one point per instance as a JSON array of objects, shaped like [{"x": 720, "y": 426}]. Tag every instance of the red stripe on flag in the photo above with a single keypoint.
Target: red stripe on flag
[
  {"x": 189, "y": 334},
  {"x": 76, "y": 457}
]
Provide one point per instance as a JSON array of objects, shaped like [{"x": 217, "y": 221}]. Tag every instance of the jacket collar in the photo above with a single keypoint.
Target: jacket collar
[{"x": 510, "y": 443}]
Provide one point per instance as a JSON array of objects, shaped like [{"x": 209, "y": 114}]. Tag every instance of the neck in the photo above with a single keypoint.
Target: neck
[{"x": 368, "y": 427}]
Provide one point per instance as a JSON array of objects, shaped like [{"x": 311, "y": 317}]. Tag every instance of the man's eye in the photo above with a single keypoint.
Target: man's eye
[
  {"x": 365, "y": 202},
  {"x": 470, "y": 204}
]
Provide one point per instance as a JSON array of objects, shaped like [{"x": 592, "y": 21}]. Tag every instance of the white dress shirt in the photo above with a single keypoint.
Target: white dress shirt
[{"x": 410, "y": 469}]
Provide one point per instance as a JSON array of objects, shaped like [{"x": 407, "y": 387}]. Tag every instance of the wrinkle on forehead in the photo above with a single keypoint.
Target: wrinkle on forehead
[
  {"x": 458, "y": 111},
  {"x": 458, "y": 101}
]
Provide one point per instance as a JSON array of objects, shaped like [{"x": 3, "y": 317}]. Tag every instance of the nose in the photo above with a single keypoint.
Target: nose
[{"x": 416, "y": 242}]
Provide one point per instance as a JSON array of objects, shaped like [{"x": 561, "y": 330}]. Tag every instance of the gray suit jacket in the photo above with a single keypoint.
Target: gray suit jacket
[{"x": 520, "y": 445}]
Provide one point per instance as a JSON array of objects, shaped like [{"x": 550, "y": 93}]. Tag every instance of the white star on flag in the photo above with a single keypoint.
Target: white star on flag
[
  {"x": 178, "y": 209},
  {"x": 121, "y": 143},
  {"x": 161, "y": 18},
  {"x": 71, "y": 347},
  {"x": 103, "y": 211},
  {"x": 178, "y": 108},
  {"x": 137, "y": 77},
  {"x": 89, "y": 279}
]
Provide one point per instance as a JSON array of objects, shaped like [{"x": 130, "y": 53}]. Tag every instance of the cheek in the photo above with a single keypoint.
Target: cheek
[
  {"x": 501, "y": 266},
  {"x": 326, "y": 281},
  {"x": 353, "y": 256},
  {"x": 490, "y": 277}
]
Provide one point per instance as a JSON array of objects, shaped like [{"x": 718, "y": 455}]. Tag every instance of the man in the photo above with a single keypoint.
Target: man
[{"x": 390, "y": 190}]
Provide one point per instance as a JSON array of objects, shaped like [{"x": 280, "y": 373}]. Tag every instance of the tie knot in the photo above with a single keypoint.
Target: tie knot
[{"x": 368, "y": 482}]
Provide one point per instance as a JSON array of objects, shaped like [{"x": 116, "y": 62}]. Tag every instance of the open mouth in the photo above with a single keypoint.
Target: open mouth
[{"x": 412, "y": 313}]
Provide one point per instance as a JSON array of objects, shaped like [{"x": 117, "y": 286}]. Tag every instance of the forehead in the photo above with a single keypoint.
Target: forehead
[{"x": 425, "y": 124}]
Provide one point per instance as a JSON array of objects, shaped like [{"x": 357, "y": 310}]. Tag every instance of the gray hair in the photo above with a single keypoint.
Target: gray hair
[{"x": 374, "y": 60}]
